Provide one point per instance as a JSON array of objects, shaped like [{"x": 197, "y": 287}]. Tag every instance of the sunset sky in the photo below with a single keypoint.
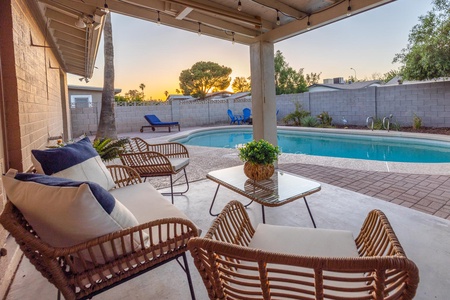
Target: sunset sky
[{"x": 155, "y": 55}]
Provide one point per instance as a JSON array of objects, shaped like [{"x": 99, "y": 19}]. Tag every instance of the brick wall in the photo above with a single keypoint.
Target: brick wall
[
  {"x": 38, "y": 86},
  {"x": 32, "y": 93},
  {"x": 430, "y": 101},
  {"x": 35, "y": 108}
]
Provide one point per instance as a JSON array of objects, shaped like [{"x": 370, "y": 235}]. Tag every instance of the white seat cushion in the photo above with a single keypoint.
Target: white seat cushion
[
  {"x": 304, "y": 241},
  {"x": 178, "y": 163},
  {"x": 146, "y": 203}
]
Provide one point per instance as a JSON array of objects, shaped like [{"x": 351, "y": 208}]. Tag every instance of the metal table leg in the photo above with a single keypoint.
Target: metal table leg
[
  {"x": 263, "y": 214},
  {"x": 212, "y": 203},
  {"x": 214, "y": 199},
  {"x": 309, "y": 211}
]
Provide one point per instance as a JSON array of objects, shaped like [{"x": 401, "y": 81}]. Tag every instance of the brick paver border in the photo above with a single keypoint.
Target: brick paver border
[{"x": 426, "y": 193}]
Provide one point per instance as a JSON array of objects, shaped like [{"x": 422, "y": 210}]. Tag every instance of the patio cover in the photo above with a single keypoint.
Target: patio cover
[{"x": 257, "y": 23}]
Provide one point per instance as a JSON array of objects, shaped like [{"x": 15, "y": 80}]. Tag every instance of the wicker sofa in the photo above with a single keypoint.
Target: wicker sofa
[
  {"x": 86, "y": 269},
  {"x": 236, "y": 261}
]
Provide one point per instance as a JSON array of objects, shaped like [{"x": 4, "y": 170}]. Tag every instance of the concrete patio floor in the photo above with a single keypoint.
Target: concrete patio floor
[{"x": 425, "y": 238}]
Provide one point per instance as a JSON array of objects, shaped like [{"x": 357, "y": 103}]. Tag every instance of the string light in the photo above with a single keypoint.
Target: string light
[
  {"x": 239, "y": 5},
  {"x": 278, "y": 18},
  {"x": 199, "y": 29},
  {"x": 349, "y": 9},
  {"x": 308, "y": 25},
  {"x": 159, "y": 19}
]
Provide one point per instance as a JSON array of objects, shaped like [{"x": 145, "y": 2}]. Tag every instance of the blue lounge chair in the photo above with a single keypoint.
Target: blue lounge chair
[
  {"x": 247, "y": 115},
  {"x": 155, "y": 122},
  {"x": 234, "y": 119}
]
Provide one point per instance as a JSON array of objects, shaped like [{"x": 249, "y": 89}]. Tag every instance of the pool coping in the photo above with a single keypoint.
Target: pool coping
[{"x": 347, "y": 163}]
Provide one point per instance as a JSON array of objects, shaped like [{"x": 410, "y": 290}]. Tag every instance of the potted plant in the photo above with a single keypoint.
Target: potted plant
[{"x": 259, "y": 157}]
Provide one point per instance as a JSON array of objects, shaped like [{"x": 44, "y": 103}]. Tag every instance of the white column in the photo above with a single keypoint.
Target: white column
[{"x": 263, "y": 92}]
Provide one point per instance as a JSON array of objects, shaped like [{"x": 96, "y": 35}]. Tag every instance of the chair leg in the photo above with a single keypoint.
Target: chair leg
[
  {"x": 188, "y": 274},
  {"x": 172, "y": 193},
  {"x": 171, "y": 188}
]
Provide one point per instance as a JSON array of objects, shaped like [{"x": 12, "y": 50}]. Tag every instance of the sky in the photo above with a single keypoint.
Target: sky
[{"x": 155, "y": 55}]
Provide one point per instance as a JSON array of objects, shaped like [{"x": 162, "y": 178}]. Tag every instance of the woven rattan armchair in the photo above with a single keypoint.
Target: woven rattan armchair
[
  {"x": 81, "y": 276},
  {"x": 233, "y": 268},
  {"x": 154, "y": 160}
]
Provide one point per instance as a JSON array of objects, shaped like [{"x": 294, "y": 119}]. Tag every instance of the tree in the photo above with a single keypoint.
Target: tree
[
  {"x": 427, "y": 54},
  {"x": 107, "y": 123},
  {"x": 203, "y": 77},
  {"x": 287, "y": 80},
  {"x": 352, "y": 79},
  {"x": 166, "y": 93},
  {"x": 240, "y": 84},
  {"x": 389, "y": 75},
  {"x": 142, "y": 87},
  {"x": 134, "y": 95},
  {"x": 312, "y": 78}
]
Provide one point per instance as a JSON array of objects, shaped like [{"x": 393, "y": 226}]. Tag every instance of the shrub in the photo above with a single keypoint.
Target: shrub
[
  {"x": 395, "y": 126},
  {"x": 109, "y": 149},
  {"x": 417, "y": 122},
  {"x": 325, "y": 119},
  {"x": 297, "y": 115},
  {"x": 377, "y": 124},
  {"x": 309, "y": 121}
]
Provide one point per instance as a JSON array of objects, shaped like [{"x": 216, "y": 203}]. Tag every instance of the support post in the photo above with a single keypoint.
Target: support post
[{"x": 263, "y": 92}]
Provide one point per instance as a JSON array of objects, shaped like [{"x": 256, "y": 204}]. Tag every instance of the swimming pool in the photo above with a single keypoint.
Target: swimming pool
[{"x": 380, "y": 148}]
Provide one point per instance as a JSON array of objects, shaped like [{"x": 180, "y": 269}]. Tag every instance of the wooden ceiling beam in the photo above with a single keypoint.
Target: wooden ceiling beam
[
  {"x": 319, "y": 19},
  {"x": 286, "y": 9},
  {"x": 76, "y": 32}
]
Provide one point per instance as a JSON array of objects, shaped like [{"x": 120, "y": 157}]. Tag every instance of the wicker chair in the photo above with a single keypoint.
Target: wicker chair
[
  {"x": 77, "y": 278},
  {"x": 154, "y": 160},
  {"x": 232, "y": 268}
]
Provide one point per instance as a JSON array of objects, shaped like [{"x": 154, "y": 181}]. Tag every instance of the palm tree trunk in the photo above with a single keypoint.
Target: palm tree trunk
[{"x": 107, "y": 122}]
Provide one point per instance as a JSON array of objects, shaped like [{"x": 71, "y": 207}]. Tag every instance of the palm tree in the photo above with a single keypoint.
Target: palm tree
[
  {"x": 142, "y": 87},
  {"x": 107, "y": 122}
]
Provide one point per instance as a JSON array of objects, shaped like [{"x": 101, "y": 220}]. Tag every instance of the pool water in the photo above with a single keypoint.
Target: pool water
[{"x": 367, "y": 147}]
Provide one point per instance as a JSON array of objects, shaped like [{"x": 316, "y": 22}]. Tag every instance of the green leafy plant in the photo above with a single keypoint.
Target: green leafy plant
[
  {"x": 325, "y": 119},
  {"x": 259, "y": 152},
  {"x": 377, "y": 124},
  {"x": 309, "y": 121},
  {"x": 417, "y": 122},
  {"x": 297, "y": 115},
  {"x": 109, "y": 149},
  {"x": 395, "y": 126}
]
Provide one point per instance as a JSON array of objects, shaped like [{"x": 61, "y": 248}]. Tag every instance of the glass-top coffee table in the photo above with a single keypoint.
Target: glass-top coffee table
[{"x": 280, "y": 189}]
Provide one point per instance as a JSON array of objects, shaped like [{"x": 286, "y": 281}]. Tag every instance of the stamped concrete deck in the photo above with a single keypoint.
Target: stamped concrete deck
[{"x": 343, "y": 203}]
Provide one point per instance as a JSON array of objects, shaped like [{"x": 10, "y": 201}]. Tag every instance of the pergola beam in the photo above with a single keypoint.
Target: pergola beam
[
  {"x": 319, "y": 19},
  {"x": 283, "y": 8}
]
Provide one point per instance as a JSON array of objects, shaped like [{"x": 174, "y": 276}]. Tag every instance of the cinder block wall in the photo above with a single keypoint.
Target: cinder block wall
[{"x": 430, "y": 101}]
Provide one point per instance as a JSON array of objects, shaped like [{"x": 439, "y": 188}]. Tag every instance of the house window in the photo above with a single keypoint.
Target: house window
[{"x": 77, "y": 101}]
